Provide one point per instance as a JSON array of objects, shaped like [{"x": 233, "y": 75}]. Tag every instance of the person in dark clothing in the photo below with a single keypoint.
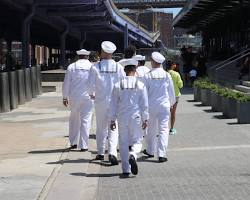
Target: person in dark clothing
[
  {"x": 201, "y": 65},
  {"x": 130, "y": 51},
  {"x": 188, "y": 60},
  {"x": 245, "y": 68}
]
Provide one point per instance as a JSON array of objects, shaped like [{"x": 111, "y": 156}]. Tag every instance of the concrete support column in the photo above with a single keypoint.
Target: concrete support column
[
  {"x": 63, "y": 47},
  {"x": 83, "y": 39},
  {"x": 9, "y": 63},
  {"x": 26, "y": 38},
  {"x": 126, "y": 36},
  {"x": 33, "y": 55}
]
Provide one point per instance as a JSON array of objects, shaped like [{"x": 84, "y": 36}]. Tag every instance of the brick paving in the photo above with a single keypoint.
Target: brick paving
[{"x": 208, "y": 159}]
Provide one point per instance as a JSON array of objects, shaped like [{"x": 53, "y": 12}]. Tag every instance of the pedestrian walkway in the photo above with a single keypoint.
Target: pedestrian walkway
[{"x": 208, "y": 158}]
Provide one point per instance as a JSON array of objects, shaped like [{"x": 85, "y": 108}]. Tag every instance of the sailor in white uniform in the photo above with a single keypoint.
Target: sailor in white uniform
[
  {"x": 75, "y": 94},
  {"x": 141, "y": 68},
  {"x": 161, "y": 98},
  {"x": 129, "y": 105},
  {"x": 103, "y": 76}
]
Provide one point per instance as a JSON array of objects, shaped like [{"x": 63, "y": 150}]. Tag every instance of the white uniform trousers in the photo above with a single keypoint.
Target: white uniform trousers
[
  {"x": 158, "y": 132},
  {"x": 130, "y": 134},
  {"x": 80, "y": 122},
  {"x": 103, "y": 131}
]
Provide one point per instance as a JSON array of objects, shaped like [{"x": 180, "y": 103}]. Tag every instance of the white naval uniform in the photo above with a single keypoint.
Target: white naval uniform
[
  {"x": 103, "y": 76},
  {"x": 141, "y": 71},
  {"x": 129, "y": 105},
  {"x": 75, "y": 88},
  {"x": 161, "y": 97}
]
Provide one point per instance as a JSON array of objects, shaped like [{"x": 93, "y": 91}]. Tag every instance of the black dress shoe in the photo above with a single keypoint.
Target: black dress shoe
[
  {"x": 113, "y": 160},
  {"x": 84, "y": 150},
  {"x": 162, "y": 159},
  {"x": 146, "y": 153},
  {"x": 99, "y": 157},
  {"x": 73, "y": 146},
  {"x": 134, "y": 167}
]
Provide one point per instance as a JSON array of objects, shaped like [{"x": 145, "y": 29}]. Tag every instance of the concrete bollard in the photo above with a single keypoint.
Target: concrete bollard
[
  {"x": 21, "y": 86},
  {"x": 27, "y": 80},
  {"x": 38, "y": 79},
  {"x": 34, "y": 82},
  {"x": 4, "y": 92},
  {"x": 13, "y": 90}
]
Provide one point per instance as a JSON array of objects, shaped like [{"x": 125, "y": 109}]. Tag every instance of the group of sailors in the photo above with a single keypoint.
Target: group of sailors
[{"x": 131, "y": 102}]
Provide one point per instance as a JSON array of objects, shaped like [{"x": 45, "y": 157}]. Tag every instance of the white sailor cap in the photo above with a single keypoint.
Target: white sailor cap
[
  {"x": 129, "y": 61},
  {"x": 139, "y": 57},
  {"x": 83, "y": 52},
  {"x": 158, "y": 57},
  {"x": 108, "y": 47}
]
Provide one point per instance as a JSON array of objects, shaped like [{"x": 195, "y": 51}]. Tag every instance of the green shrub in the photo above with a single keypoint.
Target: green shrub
[{"x": 205, "y": 83}]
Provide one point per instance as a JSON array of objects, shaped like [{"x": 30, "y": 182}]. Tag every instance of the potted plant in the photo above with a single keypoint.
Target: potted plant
[
  {"x": 243, "y": 109},
  {"x": 216, "y": 98}
]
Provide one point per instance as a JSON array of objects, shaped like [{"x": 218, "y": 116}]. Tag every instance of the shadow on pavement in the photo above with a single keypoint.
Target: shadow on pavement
[
  {"x": 209, "y": 110},
  {"x": 49, "y": 151},
  {"x": 199, "y": 105},
  {"x": 102, "y": 163},
  {"x": 146, "y": 159},
  {"x": 70, "y": 161},
  {"x": 192, "y": 101},
  {"x": 94, "y": 175},
  {"x": 233, "y": 123},
  {"x": 220, "y": 117}
]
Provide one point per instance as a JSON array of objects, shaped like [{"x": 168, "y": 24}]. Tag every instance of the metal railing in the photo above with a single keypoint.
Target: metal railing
[
  {"x": 216, "y": 72},
  {"x": 230, "y": 59}
]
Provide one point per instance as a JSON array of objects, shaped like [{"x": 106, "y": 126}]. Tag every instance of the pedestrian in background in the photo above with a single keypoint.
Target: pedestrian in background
[
  {"x": 178, "y": 84},
  {"x": 75, "y": 94},
  {"x": 129, "y": 52},
  {"x": 141, "y": 69}
]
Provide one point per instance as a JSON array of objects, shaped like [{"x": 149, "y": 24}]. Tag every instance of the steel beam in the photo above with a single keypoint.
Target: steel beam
[
  {"x": 76, "y": 14},
  {"x": 63, "y": 46},
  {"x": 64, "y": 2},
  {"x": 126, "y": 36}
]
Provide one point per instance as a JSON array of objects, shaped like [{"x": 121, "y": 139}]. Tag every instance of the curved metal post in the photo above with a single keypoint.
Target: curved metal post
[
  {"x": 26, "y": 38},
  {"x": 63, "y": 46}
]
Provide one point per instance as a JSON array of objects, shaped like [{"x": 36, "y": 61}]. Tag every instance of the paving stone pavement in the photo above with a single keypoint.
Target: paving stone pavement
[{"x": 208, "y": 159}]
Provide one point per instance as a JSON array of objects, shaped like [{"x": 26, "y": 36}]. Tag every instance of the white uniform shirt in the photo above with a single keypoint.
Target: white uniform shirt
[
  {"x": 129, "y": 100},
  {"x": 193, "y": 73},
  {"x": 160, "y": 89},
  {"x": 103, "y": 76},
  {"x": 141, "y": 71},
  {"x": 75, "y": 83}
]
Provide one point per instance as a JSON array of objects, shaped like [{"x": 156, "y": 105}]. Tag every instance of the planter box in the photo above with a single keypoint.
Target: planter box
[
  {"x": 197, "y": 93},
  {"x": 243, "y": 112},
  {"x": 13, "y": 90},
  {"x": 27, "y": 80},
  {"x": 229, "y": 108},
  {"x": 4, "y": 92},
  {"x": 33, "y": 82},
  {"x": 206, "y": 97},
  {"x": 21, "y": 86},
  {"x": 38, "y": 79},
  {"x": 216, "y": 102}
]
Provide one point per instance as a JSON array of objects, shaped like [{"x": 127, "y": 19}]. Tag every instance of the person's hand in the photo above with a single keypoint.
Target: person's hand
[
  {"x": 65, "y": 102},
  {"x": 92, "y": 97},
  {"x": 145, "y": 124},
  {"x": 112, "y": 125}
]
